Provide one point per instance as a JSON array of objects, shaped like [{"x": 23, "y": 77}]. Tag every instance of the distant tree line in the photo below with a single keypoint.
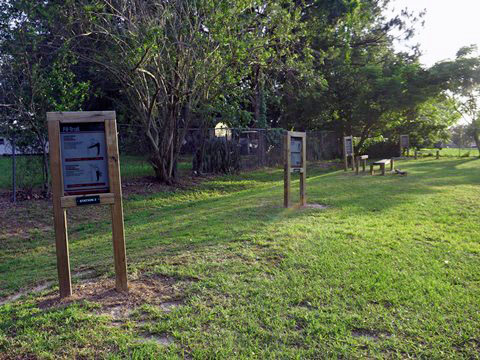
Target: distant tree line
[{"x": 166, "y": 65}]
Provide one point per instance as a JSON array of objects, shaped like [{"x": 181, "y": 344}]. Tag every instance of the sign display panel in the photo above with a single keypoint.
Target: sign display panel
[
  {"x": 296, "y": 152},
  {"x": 348, "y": 146},
  {"x": 84, "y": 158},
  {"x": 295, "y": 161},
  {"x": 404, "y": 141}
]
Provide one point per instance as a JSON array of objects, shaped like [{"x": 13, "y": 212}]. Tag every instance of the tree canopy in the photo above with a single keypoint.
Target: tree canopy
[{"x": 170, "y": 65}]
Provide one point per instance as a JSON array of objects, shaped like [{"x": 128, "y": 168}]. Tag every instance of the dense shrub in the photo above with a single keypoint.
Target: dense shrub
[
  {"x": 217, "y": 155},
  {"x": 380, "y": 148}
]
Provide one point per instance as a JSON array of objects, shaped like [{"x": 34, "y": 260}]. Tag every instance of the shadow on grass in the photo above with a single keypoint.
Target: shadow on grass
[
  {"x": 227, "y": 210},
  {"x": 220, "y": 211},
  {"x": 380, "y": 193}
]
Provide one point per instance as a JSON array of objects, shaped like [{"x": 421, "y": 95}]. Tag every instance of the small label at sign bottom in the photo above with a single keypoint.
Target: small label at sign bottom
[{"x": 88, "y": 200}]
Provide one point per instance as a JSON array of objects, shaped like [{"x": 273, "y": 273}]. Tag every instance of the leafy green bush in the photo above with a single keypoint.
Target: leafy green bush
[
  {"x": 217, "y": 155},
  {"x": 379, "y": 147}
]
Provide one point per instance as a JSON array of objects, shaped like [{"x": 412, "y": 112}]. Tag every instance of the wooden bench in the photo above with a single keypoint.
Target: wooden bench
[
  {"x": 363, "y": 159},
  {"x": 382, "y": 164}
]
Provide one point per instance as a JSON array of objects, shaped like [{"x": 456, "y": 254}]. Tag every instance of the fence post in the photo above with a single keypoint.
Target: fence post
[
  {"x": 261, "y": 147},
  {"x": 14, "y": 171}
]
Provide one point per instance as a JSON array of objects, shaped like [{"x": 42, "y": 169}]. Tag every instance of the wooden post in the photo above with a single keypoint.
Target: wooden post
[
  {"x": 372, "y": 172},
  {"x": 60, "y": 216},
  {"x": 303, "y": 174},
  {"x": 345, "y": 157},
  {"x": 416, "y": 154},
  {"x": 118, "y": 236},
  {"x": 106, "y": 190},
  {"x": 364, "y": 164},
  {"x": 286, "y": 173},
  {"x": 438, "y": 154},
  {"x": 392, "y": 164},
  {"x": 357, "y": 165}
]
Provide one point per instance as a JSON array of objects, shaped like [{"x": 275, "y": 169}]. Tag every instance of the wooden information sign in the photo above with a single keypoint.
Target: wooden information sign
[
  {"x": 85, "y": 168},
  {"x": 404, "y": 144},
  {"x": 348, "y": 152},
  {"x": 295, "y": 162}
]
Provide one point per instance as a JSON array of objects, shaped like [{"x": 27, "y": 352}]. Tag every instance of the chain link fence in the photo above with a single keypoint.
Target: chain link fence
[{"x": 256, "y": 147}]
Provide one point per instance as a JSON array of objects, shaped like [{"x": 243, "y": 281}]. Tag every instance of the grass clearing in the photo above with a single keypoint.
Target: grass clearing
[
  {"x": 29, "y": 170},
  {"x": 450, "y": 152},
  {"x": 388, "y": 270}
]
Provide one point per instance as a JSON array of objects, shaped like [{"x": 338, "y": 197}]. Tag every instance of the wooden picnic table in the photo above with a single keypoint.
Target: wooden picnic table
[
  {"x": 382, "y": 164},
  {"x": 363, "y": 159}
]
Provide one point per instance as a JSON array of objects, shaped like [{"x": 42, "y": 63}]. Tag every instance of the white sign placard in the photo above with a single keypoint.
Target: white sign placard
[
  {"x": 296, "y": 152},
  {"x": 405, "y": 141},
  {"x": 348, "y": 146},
  {"x": 84, "y": 158}
]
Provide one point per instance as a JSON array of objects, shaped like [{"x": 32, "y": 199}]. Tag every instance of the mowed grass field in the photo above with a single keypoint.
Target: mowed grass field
[
  {"x": 29, "y": 171},
  {"x": 450, "y": 152},
  {"x": 390, "y": 269}
]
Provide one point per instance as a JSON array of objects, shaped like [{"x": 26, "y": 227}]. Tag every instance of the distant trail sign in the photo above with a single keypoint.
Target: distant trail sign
[
  {"x": 295, "y": 162},
  {"x": 404, "y": 144},
  {"x": 348, "y": 151},
  {"x": 85, "y": 168}
]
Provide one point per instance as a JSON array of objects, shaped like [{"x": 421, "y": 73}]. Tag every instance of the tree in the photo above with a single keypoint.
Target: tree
[
  {"x": 34, "y": 79},
  {"x": 175, "y": 58},
  {"x": 464, "y": 87}
]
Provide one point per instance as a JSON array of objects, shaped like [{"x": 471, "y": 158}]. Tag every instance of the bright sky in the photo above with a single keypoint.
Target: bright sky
[{"x": 449, "y": 25}]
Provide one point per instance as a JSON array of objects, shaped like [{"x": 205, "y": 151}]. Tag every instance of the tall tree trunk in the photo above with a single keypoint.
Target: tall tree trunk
[
  {"x": 164, "y": 155},
  {"x": 257, "y": 96},
  {"x": 46, "y": 177}
]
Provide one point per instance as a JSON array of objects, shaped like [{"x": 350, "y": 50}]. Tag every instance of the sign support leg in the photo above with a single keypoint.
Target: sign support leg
[
  {"x": 63, "y": 258},
  {"x": 118, "y": 232},
  {"x": 119, "y": 252},
  {"x": 286, "y": 174},
  {"x": 303, "y": 174},
  {"x": 303, "y": 181},
  {"x": 60, "y": 215}
]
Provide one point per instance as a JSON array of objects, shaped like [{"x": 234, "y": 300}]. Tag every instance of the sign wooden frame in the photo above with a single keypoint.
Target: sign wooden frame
[
  {"x": 402, "y": 148},
  {"x": 348, "y": 154},
  {"x": 62, "y": 202},
  {"x": 289, "y": 169}
]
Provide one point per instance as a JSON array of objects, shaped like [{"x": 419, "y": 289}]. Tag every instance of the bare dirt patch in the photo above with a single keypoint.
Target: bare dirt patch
[
  {"x": 18, "y": 295},
  {"x": 149, "y": 185},
  {"x": 168, "y": 306},
  {"x": 369, "y": 334},
  {"x": 163, "y": 340},
  {"x": 158, "y": 290},
  {"x": 315, "y": 206},
  {"x": 32, "y": 216}
]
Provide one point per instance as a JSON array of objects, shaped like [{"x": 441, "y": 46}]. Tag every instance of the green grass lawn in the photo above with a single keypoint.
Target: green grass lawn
[
  {"x": 446, "y": 152},
  {"x": 391, "y": 269},
  {"x": 29, "y": 169}
]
